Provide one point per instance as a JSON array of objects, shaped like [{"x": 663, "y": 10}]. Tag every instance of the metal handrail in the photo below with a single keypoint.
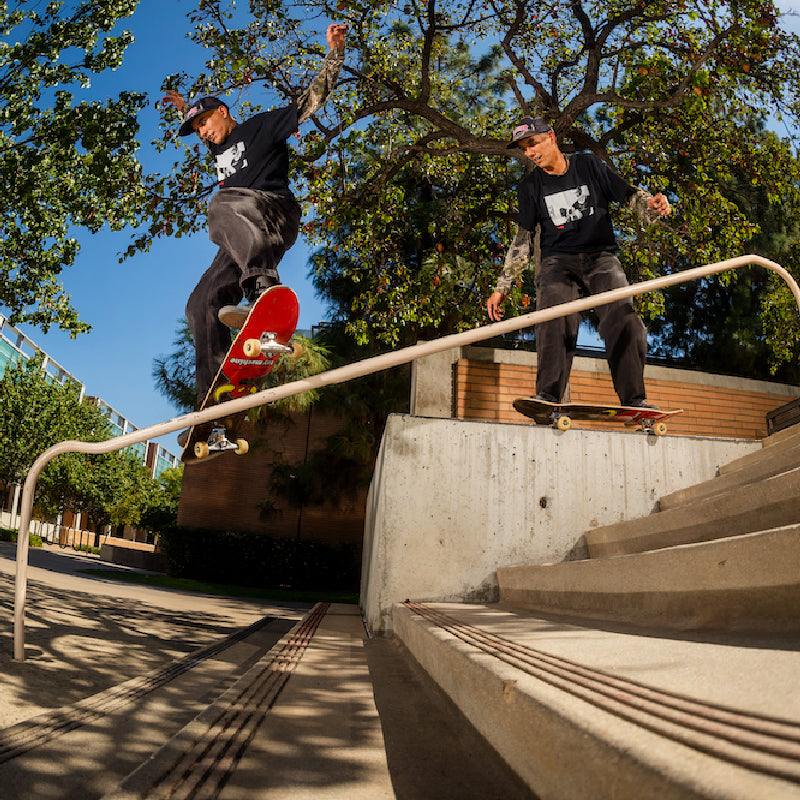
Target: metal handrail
[{"x": 341, "y": 375}]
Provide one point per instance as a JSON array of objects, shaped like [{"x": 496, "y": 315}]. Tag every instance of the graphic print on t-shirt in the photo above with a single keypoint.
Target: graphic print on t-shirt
[
  {"x": 230, "y": 161},
  {"x": 569, "y": 206}
]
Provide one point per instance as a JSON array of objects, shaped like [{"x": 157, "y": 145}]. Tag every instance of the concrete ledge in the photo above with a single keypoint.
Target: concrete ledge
[
  {"x": 452, "y": 500},
  {"x": 771, "y": 503},
  {"x": 744, "y": 583},
  {"x": 132, "y": 557}
]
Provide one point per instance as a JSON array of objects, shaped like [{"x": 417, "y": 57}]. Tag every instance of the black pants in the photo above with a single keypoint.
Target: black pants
[
  {"x": 253, "y": 230},
  {"x": 561, "y": 278}
]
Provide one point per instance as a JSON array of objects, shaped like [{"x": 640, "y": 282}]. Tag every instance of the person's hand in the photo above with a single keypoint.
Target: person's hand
[
  {"x": 494, "y": 305},
  {"x": 335, "y": 36},
  {"x": 175, "y": 99},
  {"x": 660, "y": 204}
]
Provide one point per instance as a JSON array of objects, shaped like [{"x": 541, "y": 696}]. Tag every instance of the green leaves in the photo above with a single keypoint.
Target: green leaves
[
  {"x": 313, "y": 359},
  {"x": 36, "y": 412},
  {"x": 66, "y": 163},
  {"x": 407, "y": 185},
  {"x": 174, "y": 374}
]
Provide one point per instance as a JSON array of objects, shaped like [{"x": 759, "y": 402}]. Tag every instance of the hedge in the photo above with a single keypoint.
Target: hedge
[
  {"x": 250, "y": 559},
  {"x": 9, "y": 535}
]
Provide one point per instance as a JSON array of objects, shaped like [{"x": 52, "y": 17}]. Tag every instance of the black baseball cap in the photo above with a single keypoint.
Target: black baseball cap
[
  {"x": 198, "y": 107},
  {"x": 528, "y": 126}
]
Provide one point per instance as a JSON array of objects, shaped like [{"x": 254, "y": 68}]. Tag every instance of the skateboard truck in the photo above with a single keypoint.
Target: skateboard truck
[
  {"x": 218, "y": 442},
  {"x": 653, "y": 426},
  {"x": 561, "y": 421},
  {"x": 269, "y": 345}
]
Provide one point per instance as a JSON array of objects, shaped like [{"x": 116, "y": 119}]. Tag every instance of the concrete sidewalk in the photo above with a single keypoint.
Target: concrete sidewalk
[
  {"x": 356, "y": 718},
  {"x": 84, "y": 634}
]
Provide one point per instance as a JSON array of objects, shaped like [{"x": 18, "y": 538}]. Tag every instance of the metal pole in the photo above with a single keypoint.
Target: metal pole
[{"x": 341, "y": 375}]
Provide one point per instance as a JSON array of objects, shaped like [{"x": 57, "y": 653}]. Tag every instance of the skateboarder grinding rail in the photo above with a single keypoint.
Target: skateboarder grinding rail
[
  {"x": 254, "y": 218},
  {"x": 569, "y": 198}
]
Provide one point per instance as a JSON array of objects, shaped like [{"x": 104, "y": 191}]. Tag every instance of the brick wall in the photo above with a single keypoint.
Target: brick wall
[
  {"x": 226, "y": 492},
  {"x": 713, "y": 405}
]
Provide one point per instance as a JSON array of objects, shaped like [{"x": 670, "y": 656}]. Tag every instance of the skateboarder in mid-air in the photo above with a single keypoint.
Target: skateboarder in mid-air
[
  {"x": 569, "y": 198},
  {"x": 253, "y": 218}
]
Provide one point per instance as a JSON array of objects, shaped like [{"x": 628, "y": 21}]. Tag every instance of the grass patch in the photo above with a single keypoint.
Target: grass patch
[{"x": 223, "y": 590}]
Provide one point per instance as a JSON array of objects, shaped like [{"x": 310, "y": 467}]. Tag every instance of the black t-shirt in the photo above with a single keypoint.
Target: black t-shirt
[
  {"x": 572, "y": 208},
  {"x": 255, "y": 154}
]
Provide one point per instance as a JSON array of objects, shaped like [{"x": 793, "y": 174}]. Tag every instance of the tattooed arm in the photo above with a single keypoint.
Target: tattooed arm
[
  {"x": 322, "y": 85},
  {"x": 647, "y": 207},
  {"x": 517, "y": 259}
]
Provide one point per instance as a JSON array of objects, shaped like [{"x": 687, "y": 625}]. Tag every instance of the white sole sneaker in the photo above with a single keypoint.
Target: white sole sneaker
[{"x": 233, "y": 316}]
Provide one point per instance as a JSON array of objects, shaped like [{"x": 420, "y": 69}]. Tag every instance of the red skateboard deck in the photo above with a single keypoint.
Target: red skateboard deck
[
  {"x": 272, "y": 319},
  {"x": 560, "y": 415},
  {"x": 263, "y": 339}
]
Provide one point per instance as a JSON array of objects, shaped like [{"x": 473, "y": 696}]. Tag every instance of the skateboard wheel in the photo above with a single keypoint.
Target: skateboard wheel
[
  {"x": 563, "y": 423},
  {"x": 252, "y": 348},
  {"x": 201, "y": 449},
  {"x": 241, "y": 447},
  {"x": 660, "y": 428},
  {"x": 297, "y": 350},
  {"x": 226, "y": 388}
]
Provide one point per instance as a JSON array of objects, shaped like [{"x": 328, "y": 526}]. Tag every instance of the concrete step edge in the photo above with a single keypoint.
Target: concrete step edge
[
  {"x": 746, "y": 583},
  {"x": 766, "y": 452},
  {"x": 561, "y": 732},
  {"x": 783, "y": 462},
  {"x": 770, "y": 503},
  {"x": 792, "y": 432}
]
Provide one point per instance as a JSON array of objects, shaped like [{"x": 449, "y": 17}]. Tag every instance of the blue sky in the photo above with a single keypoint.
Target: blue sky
[{"x": 134, "y": 307}]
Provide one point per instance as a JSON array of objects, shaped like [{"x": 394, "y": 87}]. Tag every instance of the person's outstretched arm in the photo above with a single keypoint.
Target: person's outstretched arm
[{"x": 322, "y": 85}]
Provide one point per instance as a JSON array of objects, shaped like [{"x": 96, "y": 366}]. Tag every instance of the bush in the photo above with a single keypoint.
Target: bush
[
  {"x": 9, "y": 535},
  {"x": 249, "y": 559}
]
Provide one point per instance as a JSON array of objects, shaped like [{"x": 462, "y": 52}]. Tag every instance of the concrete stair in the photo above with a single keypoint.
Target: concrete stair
[
  {"x": 771, "y": 503},
  {"x": 580, "y": 711},
  {"x": 741, "y": 583},
  {"x": 757, "y": 492},
  {"x": 664, "y": 666},
  {"x": 723, "y": 555},
  {"x": 775, "y": 458}
]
